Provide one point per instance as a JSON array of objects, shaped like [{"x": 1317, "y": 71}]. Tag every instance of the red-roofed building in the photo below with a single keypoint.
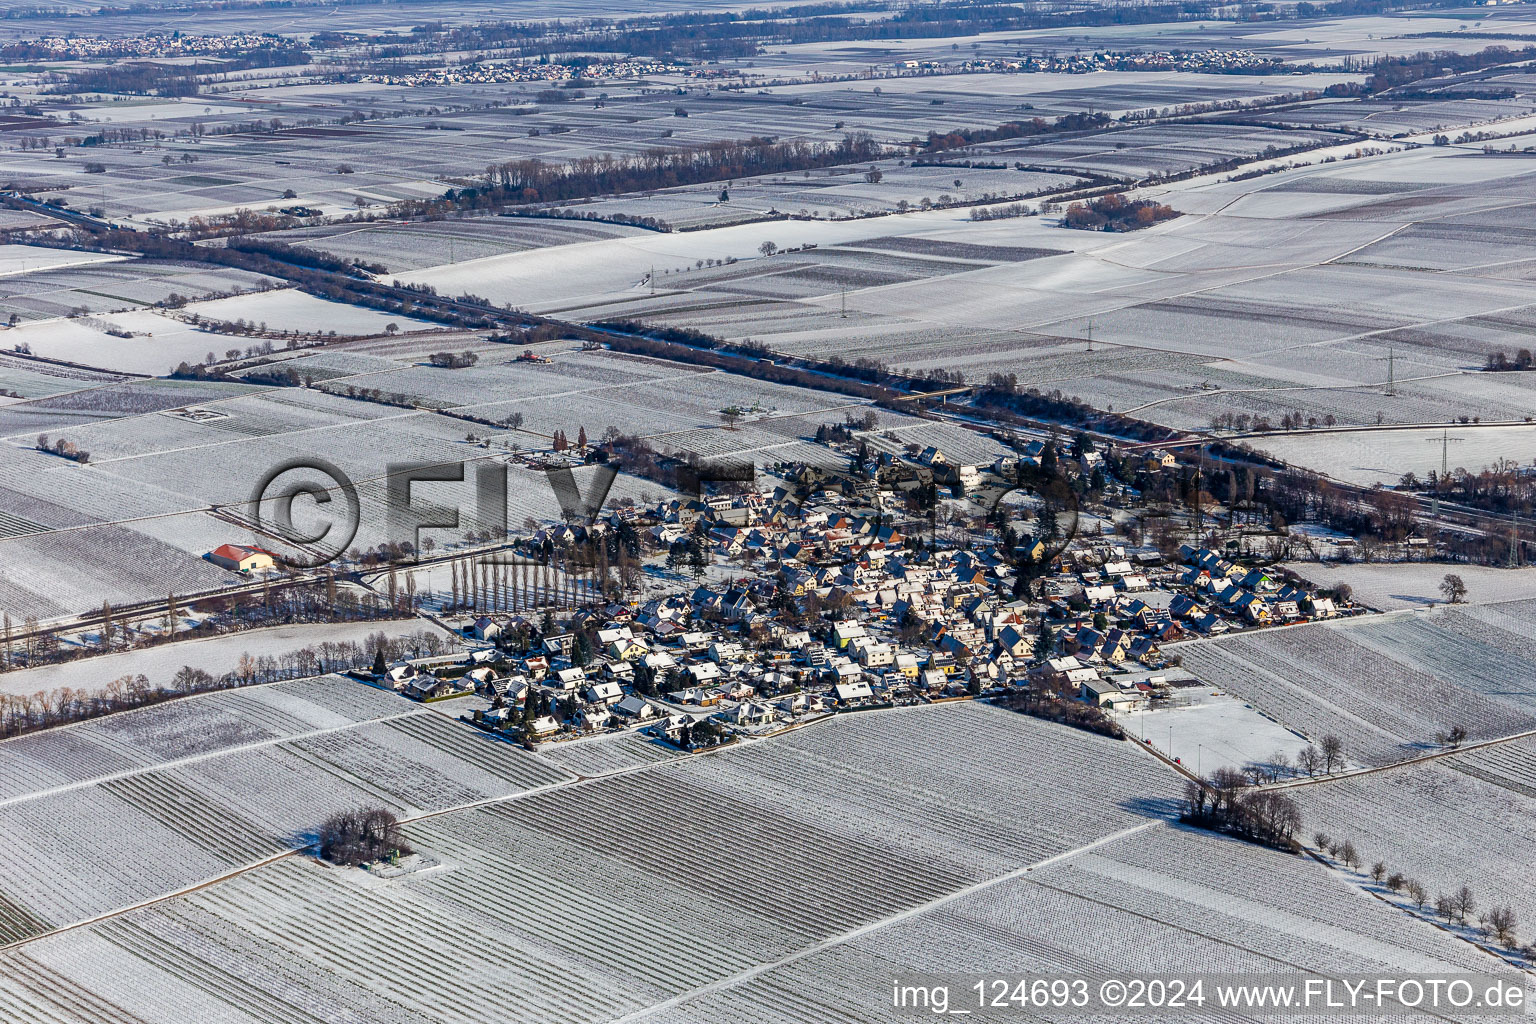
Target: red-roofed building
[{"x": 241, "y": 558}]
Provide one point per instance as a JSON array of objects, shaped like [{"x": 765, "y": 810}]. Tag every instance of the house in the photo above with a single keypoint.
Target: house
[
  {"x": 544, "y": 725},
  {"x": 846, "y": 631},
  {"x": 594, "y": 716},
  {"x": 485, "y": 628},
  {"x": 876, "y": 655},
  {"x": 1108, "y": 694},
  {"x": 848, "y": 693},
  {"x": 603, "y": 693},
  {"x": 704, "y": 672},
  {"x": 1015, "y": 642},
  {"x": 570, "y": 678},
  {"x": 1324, "y": 608},
  {"x": 750, "y": 713},
  {"x": 1209, "y": 623},
  {"x": 637, "y": 708},
  {"x": 1063, "y": 674},
  {"x": 671, "y": 728},
  {"x": 241, "y": 558}
]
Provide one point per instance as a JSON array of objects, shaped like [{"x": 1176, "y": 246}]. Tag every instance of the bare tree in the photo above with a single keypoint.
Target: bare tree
[
  {"x": 1378, "y": 872},
  {"x": 1417, "y": 893},
  {"x": 1502, "y": 921},
  {"x": 1465, "y": 904},
  {"x": 1455, "y": 736},
  {"x": 1454, "y": 588},
  {"x": 1310, "y": 760},
  {"x": 1333, "y": 753}
]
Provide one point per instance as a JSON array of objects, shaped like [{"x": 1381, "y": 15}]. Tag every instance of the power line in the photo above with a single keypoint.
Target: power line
[{"x": 1444, "y": 441}]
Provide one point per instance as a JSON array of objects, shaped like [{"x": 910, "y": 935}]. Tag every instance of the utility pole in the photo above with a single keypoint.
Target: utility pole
[
  {"x": 1391, "y": 372},
  {"x": 1090, "y": 335},
  {"x": 845, "y": 303},
  {"x": 1444, "y": 441},
  {"x": 653, "y": 279},
  {"x": 1199, "y": 485}
]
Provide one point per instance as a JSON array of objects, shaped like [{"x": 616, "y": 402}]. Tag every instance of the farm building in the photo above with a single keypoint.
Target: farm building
[{"x": 240, "y": 558}]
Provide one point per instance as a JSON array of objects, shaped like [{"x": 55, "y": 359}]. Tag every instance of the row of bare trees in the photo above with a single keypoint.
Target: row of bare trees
[
  {"x": 1495, "y": 923},
  {"x": 22, "y": 713},
  {"x": 31, "y": 644}
]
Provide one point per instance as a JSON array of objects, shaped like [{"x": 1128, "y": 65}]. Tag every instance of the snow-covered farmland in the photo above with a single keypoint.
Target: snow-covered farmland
[
  {"x": 1161, "y": 900},
  {"x": 1207, "y": 730},
  {"x": 22, "y": 259},
  {"x": 215, "y": 655},
  {"x": 1369, "y": 457},
  {"x": 1385, "y": 685},
  {"x": 292, "y": 310},
  {"x": 149, "y": 801},
  {"x": 617, "y": 894},
  {"x": 1390, "y": 586},
  {"x": 1483, "y": 831}
]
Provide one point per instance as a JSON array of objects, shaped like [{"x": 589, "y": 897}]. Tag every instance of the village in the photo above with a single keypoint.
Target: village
[{"x": 830, "y": 594}]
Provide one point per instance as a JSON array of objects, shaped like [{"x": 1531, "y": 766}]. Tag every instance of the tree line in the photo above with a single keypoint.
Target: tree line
[
  {"x": 519, "y": 182},
  {"x": 24, "y": 713}
]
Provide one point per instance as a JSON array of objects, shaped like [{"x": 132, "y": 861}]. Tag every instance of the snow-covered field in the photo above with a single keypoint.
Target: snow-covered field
[
  {"x": 147, "y": 802},
  {"x": 1392, "y": 586},
  {"x": 1484, "y": 831},
  {"x": 1385, "y": 456},
  {"x": 158, "y": 344},
  {"x": 293, "y": 310},
  {"x": 613, "y": 895},
  {"x": 22, "y": 259},
  {"x": 1212, "y": 731},
  {"x": 1162, "y": 901},
  {"x": 1386, "y": 684},
  {"x": 215, "y": 655}
]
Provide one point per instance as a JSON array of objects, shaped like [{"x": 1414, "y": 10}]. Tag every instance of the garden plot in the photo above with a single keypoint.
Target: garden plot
[
  {"x": 1139, "y": 152},
  {"x": 1385, "y": 700},
  {"x": 1480, "y": 829},
  {"x": 608, "y": 890},
  {"x": 32, "y": 379},
  {"x": 117, "y": 285},
  {"x": 1511, "y": 765},
  {"x": 1393, "y": 586},
  {"x": 221, "y": 780},
  {"x": 157, "y": 344},
  {"x": 605, "y": 755},
  {"x": 1162, "y": 901},
  {"x": 20, "y": 259}
]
